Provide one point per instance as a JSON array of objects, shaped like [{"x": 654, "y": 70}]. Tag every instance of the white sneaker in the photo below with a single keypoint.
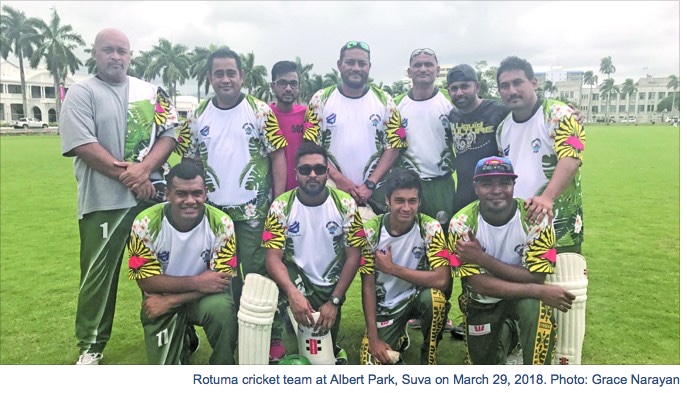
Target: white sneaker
[{"x": 90, "y": 359}]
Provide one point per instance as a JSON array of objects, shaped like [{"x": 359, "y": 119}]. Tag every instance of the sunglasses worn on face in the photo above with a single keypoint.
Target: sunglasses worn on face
[
  {"x": 420, "y": 51},
  {"x": 283, "y": 83},
  {"x": 357, "y": 44},
  {"x": 305, "y": 170}
]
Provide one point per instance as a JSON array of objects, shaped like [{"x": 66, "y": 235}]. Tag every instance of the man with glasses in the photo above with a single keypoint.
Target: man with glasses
[
  {"x": 313, "y": 236},
  {"x": 360, "y": 127},
  {"x": 290, "y": 115},
  {"x": 425, "y": 110}
]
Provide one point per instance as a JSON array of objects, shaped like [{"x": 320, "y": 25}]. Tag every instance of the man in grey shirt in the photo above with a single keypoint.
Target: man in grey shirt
[{"x": 121, "y": 131}]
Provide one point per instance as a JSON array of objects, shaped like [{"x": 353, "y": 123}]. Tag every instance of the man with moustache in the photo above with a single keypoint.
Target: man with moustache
[
  {"x": 546, "y": 145},
  {"x": 360, "y": 127},
  {"x": 290, "y": 115},
  {"x": 116, "y": 162},
  {"x": 313, "y": 236},
  {"x": 237, "y": 140},
  {"x": 502, "y": 260},
  {"x": 182, "y": 256}
]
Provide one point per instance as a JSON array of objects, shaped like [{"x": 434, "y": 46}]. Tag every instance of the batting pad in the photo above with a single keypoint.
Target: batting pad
[
  {"x": 255, "y": 317},
  {"x": 315, "y": 346},
  {"x": 571, "y": 274}
]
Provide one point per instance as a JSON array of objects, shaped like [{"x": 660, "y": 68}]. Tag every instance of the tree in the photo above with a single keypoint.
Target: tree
[
  {"x": 590, "y": 80},
  {"x": 629, "y": 88},
  {"x": 549, "y": 88},
  {"x": 607, "y": 67},
  {"x": 607, "y": 88},
  {"x": 139, "y": 65},
  {"x": 199, "y": 66},
  {"x": 18, "y": 37},
  {"x": 254, "y": 75},
  {"x": 57, "y": 48},
  {"x": 171, "y": 62},
  {"x": 673, "y": 83},
  {"x": 667, "y": 103},
  {"x": 308, "y": 87},
  {"x": 332, "y": 78},
  {"x": 487, "y": 78}
]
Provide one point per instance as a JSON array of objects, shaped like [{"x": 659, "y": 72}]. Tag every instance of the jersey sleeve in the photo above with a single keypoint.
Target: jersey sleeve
[
  {"x": 312, "y": 129},
  {"x": 166, "y": 117},
  {"x": 274, "y": 234},
  {"x": 143, "y": 262},
  {"x": 271, "y": 135},
  {"x": 352, "y": 223},
  {"x": 224, "y": 248},
  {"x": 395, "y": 131},
  {"x": 540, "y": 254},
  {"x": 458, "y": 228},
  {"x": 569, "y": 135},
  {"x": 371, "y": 228},
  {"x": 189, "y": 129},
  {"x": 435, "y": 243}
]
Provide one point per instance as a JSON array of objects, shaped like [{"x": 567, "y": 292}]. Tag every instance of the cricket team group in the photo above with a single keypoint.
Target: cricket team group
[{"x": 409, "y": 192}]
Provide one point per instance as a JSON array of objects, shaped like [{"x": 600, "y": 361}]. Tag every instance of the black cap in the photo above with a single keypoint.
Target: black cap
[{"x": 461, "y": 73}]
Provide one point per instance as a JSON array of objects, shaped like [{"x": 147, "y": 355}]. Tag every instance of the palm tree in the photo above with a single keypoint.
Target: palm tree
[
  {"x": 331, "y": 78},
  {"x": 171, "y": 62},
  {"x": 139, "y": 65},
  {"x": 673, "y": 83},
  {"x": 590, "y": 80},
  {"x": 57, "y": 48},
  {"x": 254, "y": 75},
  {"x": 549, "y": 88},
  {"x": 629, "y": 87},
  {"x": 607, "y": 67},
  {"x": 199, "y": 66},
  {"x": 18, "y": 37},
  {"x": 307, "y": 87},
  {"x": 607, "y": 88}
]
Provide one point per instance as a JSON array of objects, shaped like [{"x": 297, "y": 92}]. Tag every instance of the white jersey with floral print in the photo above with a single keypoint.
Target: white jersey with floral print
[
  {"x": 233, "y": 145},
  {"x": 314, "y": 238},
  {"x": 535, "y": 147},
  {"x": 156, "y": 247},
  {"x": 423, "y": 247},
  {"x": 355, "y": 131},
  {"x": 515, "y": 243},
  {"x": 430, "y": 141}
]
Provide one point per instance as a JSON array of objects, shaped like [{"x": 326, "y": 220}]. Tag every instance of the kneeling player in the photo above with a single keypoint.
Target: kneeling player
[{"x": 182, "y": 254}]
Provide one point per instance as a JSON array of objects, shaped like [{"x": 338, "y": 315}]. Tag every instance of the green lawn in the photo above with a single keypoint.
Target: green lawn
[{"x": 631, "y": 196}]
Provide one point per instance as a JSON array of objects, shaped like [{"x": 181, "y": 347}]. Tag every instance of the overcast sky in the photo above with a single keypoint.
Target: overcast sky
[{"x": 641, "y": 36}]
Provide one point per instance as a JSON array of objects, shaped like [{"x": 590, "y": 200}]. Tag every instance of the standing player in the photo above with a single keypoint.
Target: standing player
[
  {"x": 405, "y": 275},
  {"x": 290, "y": 116},
  {"x": 182, "y": 255},
  {"x": 115, "y": 159},
  {"x": 313, "y": 235},
  {"x": 546, "y": 144},
  {"x": 502, "y": 262},
  {"x": 359, "y": 126},
  {"x": 238, "y": 141}
]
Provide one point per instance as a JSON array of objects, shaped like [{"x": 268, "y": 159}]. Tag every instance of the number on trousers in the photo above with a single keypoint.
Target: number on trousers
[{"x": 162, "y": 338}]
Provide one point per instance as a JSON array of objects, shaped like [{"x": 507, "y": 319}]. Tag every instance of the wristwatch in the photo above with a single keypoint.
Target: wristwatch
[
  {"x": 370, "y": 184},
  {"x": 335, "y": 300}
]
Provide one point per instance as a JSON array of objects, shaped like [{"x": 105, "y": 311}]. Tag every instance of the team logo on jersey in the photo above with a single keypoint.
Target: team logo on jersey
[
  {"x": 331, "y": 119},
  {"x": 248, "y": 128},
  {"x": 404, "y": 122},
  {"x": 163, "y": 256},
  {"x": 506, "y": 151},
  {"x": 332, "y": 227},
  {"x": 536, "y": 145},
  {"x": 205, "y": 131},
  {"x": 295, "y": 227},
  {"x": 206, "y": 256},
  {"x": 444, "y": 120},
  {"x": 519, "y": 249},
  {"x": 417, "y": 252},
  {"x": 375, "y": 119}
]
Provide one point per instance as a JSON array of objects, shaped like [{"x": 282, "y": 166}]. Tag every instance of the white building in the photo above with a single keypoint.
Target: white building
[{"x": 40, "y": 92}]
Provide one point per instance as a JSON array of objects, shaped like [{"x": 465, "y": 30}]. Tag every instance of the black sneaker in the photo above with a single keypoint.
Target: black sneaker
[{"x": 458, "y": 332}]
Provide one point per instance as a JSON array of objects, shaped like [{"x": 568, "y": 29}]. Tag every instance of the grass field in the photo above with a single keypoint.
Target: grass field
[{"x": 631, "y": 192}]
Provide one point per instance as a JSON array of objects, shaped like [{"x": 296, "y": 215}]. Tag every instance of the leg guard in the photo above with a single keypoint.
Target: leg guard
[
  {"x": 255, "y": 315},
  {"x": 315, "y": 346},
  {"x": 571, "y": 274}
]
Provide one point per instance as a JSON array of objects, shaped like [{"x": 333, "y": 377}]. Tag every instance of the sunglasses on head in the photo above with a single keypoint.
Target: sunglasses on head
[
  {"x": 426, "y": 51},
  {"x": 357, "y": 44},
  {"x": 319, "y": 169}
]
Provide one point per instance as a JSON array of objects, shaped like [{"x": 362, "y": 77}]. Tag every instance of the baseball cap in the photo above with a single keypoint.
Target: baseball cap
[
  {"x": 461, "y": 73},
  {"x": 494, "y": 166}
]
